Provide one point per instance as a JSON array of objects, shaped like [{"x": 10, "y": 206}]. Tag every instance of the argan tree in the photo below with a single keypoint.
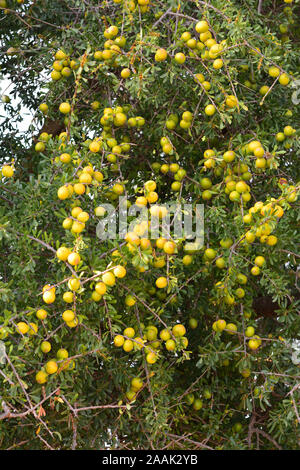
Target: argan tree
[{"x": 136, "y": 341}]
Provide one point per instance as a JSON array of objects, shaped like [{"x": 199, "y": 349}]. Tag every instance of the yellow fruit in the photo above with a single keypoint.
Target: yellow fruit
[
  {"x": 119, "y": 341},
  {"x": 109, "y": 278},
  {"x": 119, "y": 271},
  {"x": 161, "y": 282},
  {"x": 22, "y": 328},
  {"x": 253, "y": 344},
  {"x": 60, "y": 55},
  {"x": 220, "y": 325},
  {"x": 79, "y": 188},
  {"x": 259, "y": 261},
  {"x": 151, "y": 358},
  {"x": 169, "y": 247},
  {"x": 178, "y": 330},
  {"x": 128, "y": 345},
  {"x": 41, "y": 377},
  {"x": 62, "y": 354},
  {"x": 62, "y": 253},
  {"x": 65, "y": 158},
  {"x": 55, "y": 75},
  {"x": 170, "y": 345},
  {"x": 85, "y": 178},
  {"x": 74, "y": 259},
  {"x": 136, "y": 384},
  {"x": 141, "y": 201},
  {"x": 68, "y": 297},
  {"x": 49, "y": 297},
  {"x": 231, "y": 328},
  {"x": 246, "y": 373},
  {"x": 165, "y": 334},
  {"x": 152, "y": 197},
  {"x": 125, "y": 73},
  {"x": 95, "y": 147},
  {"x": 210, "y": 110},
  {"x": 65, "y": 108},
  {"x": 231, "y": 101},
  {"x": 68, "y": 315},
  {"x": 73, "y": 323},
  {"x": 63, "y": 192},
  {"x": 271, "y": 240},
  {"x": 161, "y": 55},
  {"x": 255, "y": 270},
  {"x": 202, "y": 26},
  {"x": 100, "y": 288},
  {"x": 7, "y": 171},
  {"x": 100, "y": 211},
  {"x": 284, "y": 79},
  {"x": 82, "y": 217},
  {"x": 51, "y": 367},
  {"x": 218, "y": 64},
  {"x": 119, "y": 120},
  {"x": 74, "y": 284},
  {"x": 250, "y": 237},
  {"x": 45, "y": 347},
  {"x": 129, "y": 300},
  {"x": 33, "y": 328},
  {"x": 274, "y": 71},
  {"x": 150, "y": 185},
  {"x": 44, "y": 108},
  {"x": 41, "y": 314},
  {"x": 129, "y": 332}
]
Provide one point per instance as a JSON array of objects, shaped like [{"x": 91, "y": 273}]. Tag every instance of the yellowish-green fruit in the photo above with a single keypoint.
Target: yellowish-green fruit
[
  {"x": 220, "y": 325},
  {"x": 136, "y": 384},
  {"x": 68, "y": 315},
  {"x": 178, "y": 330},
  {"x": 41, "y": 314},
  {"x": 161, "y": 55},
  {"x": 210, "y": 110},
  {"x": 62, "y": 354},
  {"x": 165, "y": 334},
  {"x": 65, "y": 108},
  {"x": 151, "y": 358},
  {"x": 246, "y": 373},
  {"x": 170, "y": 345},
  {"x": 128, "y": 345},
  {"x": 22, "y": 328},
  {"x": 41, "y": 377},
  {"x": 119, "y": 341},
  {"x": 161, "y": 282},
  {"x": 51, "y": 367},
  {"x": 250, "y": 331},
  {"x": 109, "y": 278},
  {"x": 129, "y": 332},
  {"x": 33, "y": 329},
  {"x": 231, "y": 328},
  {"x": 130, "y": 300}
]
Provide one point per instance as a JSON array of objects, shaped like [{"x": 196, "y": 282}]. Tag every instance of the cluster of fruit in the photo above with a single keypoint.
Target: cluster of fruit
[
  {"x": 288, "y": 131},
  {"x": 221, "y": 325},
  {"x": 139, "y": 6},
  {"x": 136, "y": 385},
  {"x": 206, "y": 45},
  {"x": 63, "y": 66},
  {"x": 173, "y": 340},
  {"x": 53, "y": 366},
  {"x": 197, "y": 403}
]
